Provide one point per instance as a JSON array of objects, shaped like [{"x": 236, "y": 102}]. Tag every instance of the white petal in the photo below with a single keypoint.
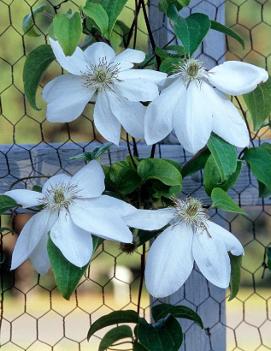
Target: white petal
[
  {"x": 75, "y": 64},
  {"x": 25, "y": 198},
  {"x": 33, "y": 231},
  {"x": 66, "y": 98},
  {"x": 58, "y": 179},
  {"x": 212, "y": 258},
  {"x": 170, "y": 261},
  {"x": 192, "y": 119},
  {"x": 128, "y": 57},
  {"x": 145, "y": 74},
  {"x": 159, "y": 114},
  {"x": 97, "y": 52},
  {"x": 150, "y": 219},
  {"x": 100, "y": 221},
  {"x": 130, "y": 114},
  {"x": 105, "y": 122},
  {"x": 227, "y": 121},
  {"x": 74, "y": 243},
  {"x": 137, "y": 89},
  {"x": 232, "y": 244},
  {"x": 89, "y": 180},
  {"x": 236, "y": 78},
  {"x": 39, "y": 256},
  {"x": 112, "y": 203}
]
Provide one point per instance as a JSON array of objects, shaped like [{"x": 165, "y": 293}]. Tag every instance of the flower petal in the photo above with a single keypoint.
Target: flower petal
[
  {"x": 39, "y": 256},
  {"x": 159, "y": 114},
  {"x": 170, "y": 261},
  {"x": 66, "y": 98},
  {"x": 192, "y": 119},
  {"x": 112, "y": 203},
  {"x": 237, "y": 78},
  {"x": 232, "y": 244},
  {"x": 150, "y": 219},
  {"x": 227, "y": 121},
  {"x": 100, "y": 221},
  {"x": 145, "y": 74},
  {"x": 130, "y": 114},
  {"x": 128, "y": 57},
  {"x": 105, "y": 121},
  {"x": 89, "y": 180},
  {"x": 212, "y": 258},
  {"x": 58, "y": 179},
  {"x": 75, "y": 64},
  {"x": 137, "y": 89},
  {"x": 33, "y": 231},
  {"x": 74, "y": 243},
  {"x": 97, "y": 52},
  {"x": 25, "y": 198}
]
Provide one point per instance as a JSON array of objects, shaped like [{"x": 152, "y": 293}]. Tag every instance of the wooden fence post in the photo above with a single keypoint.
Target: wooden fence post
[{"x": 197, "y": 293}]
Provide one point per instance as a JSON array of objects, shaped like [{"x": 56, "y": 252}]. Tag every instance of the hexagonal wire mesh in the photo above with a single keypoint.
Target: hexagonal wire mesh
[{"x": 34, "y": 316}]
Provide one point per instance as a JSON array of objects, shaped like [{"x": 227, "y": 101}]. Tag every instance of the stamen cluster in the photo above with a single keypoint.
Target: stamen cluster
[
  {"x": 192, "y": 70},
  {"x": 101, "y": 75},
  {"x": 60, "y": 196},
  {"x": 191, "y": 212}
]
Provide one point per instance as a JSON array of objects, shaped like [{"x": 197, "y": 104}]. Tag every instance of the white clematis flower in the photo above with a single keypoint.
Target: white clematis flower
[
  {"x": 189, "y": 237},
  {"x": 73, "y": 207},
  {"x": 193, "y": 108},
  {"x": 99, "y": 75}
]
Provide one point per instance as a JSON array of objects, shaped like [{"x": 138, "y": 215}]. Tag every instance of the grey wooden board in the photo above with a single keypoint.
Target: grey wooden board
[{"x": 44, "y": 160}]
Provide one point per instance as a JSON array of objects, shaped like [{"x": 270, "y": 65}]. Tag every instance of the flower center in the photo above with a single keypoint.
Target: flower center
[
  {"x": 192, "y": 70},
  {"x": 102, "y": 75},
  {"x": 60, "y": 196},
  {"x": 191, "y": 212}
]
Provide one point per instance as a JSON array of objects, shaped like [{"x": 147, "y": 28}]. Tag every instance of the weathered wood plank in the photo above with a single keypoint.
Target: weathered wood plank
[
  {"x": 44, "y": 160},
  {"x": 196, "y": 291}
]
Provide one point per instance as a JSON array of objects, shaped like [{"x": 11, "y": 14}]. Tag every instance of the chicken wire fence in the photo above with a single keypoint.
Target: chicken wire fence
[{"x": 33, "y": 314}]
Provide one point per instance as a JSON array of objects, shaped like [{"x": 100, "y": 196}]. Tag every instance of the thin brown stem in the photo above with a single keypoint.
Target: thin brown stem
[
  {"x": 246, "y": 121},
  {"x": 142, "y": 269},
  {"x": 129, "y": 150},
  {"x": 153, "y": 151}
]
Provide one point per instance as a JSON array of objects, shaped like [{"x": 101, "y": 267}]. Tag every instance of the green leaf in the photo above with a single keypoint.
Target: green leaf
[
  {"x": 236, "y": 262},
  {"x": 30, "y": 20},
  {"x": 168, "y": 65},
  {"x": 36, "y": 63},
  {"x": 68, "y": 30},
  {"x": 164, "y": 4},
  {"x": 114, "y": 335},
  {"x": 67, "y": 276},
  {"x": 212, "y": 177},
  {"x": 196, "y": 163},
  {"x": 226, "y": 30},
  {"x": 264, "y": 191},
  {"x": 124, "y": 177},
  {"x": 139, "y": 347},
  {"x": 191, "y": 30},
  {"x": 112, "y": 318},
  {"x": 162, "y": 170},
  {"x": 259, "y": 103},
  {"x": 98, "y": 15},
  {"x": 113, "y": 9},
  {"x": 6, "y": 203},
  {"x": 164, "y": 335},
  {"x": 259, "y": 160},
  {"x": 225, "y": 156},
  {"x": 220, "y": 199},
  {"x": 162, "y": 310},
  {"x": 96, "y": 154}
]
